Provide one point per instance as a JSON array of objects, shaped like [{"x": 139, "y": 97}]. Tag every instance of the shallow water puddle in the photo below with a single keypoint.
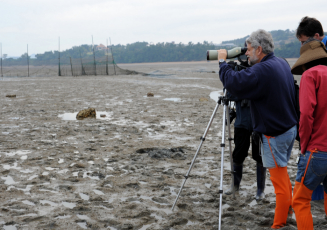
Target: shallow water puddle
[
  {"x": 156, "y": 216},
  {"x": 69, "y": 205},
  {"x": 142, "y": 182},
  {"x": 32, "y": 177},
  {"x": 30, "y": 214},
  {"x": 53, "y": 204},
  {"x": 214, "y": 95},
  {"x": 145, "y": 227},
  {"x": 50, "y": 168},
  {"x": 83, "y": 217},
  {"x": 173, "y": 99},
  {"x": 254, "y": 202},
  {"x": 208, "y": 185},
  {"x": 46, "y": 190},
  {"x": 9, "y": 227},
  {"x": 27, "y": 189},
  {"x": 98, "y": 192},
  {"x": 19, "y": 152},
  {"x": 63, "y": 217},
  {"x": 82, "y": 225},
  {"x": 9, "y": 180},
  {"x": 84, "y": 196},
  {"x": 63, "y": 171},
  {"x": 28, "y": 202},
  {"x": 72, "y": 116},
  {"x": 7, "y": 167}
]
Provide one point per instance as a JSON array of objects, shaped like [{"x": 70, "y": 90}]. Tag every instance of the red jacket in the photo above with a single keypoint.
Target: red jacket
[{"x": 313, "y": 108}]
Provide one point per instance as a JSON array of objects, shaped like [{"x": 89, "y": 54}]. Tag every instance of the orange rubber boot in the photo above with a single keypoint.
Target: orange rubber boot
[
  {"x": 325, "y": 202},
  {"x": 296, "y": 188},
  {"x": 302, "y": 207},
  {"x": 290, "y": 212},
  {"x": 281, "y": 181}
]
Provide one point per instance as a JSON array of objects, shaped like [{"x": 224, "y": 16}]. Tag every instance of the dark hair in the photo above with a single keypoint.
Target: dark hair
[
  {"x": 321, "y": 61},
  {"x": 309, "y": 27}
]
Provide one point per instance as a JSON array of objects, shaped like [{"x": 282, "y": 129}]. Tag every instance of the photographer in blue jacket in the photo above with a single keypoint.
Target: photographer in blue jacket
[{"x": 269, "y": 85}]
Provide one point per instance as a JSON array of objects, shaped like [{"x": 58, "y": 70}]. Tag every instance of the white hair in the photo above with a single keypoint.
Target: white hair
[{"x": 261, "y": 38}]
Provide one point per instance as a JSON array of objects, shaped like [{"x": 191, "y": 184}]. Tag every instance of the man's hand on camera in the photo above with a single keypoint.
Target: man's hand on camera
[{"x": 222, "y": 54}]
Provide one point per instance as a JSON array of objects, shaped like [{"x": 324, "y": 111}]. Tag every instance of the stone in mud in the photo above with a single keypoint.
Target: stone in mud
[
  {"x": 150, "y": 94},
  {"x": 79, "y": 165},
  {"x": 97, "y": 198},
  {"x": 125, "y": 226},
  {"x": 160, "y": 200},
  {"x": 11, "y": 95},
  {"x": 175, "y": 153},
  {"x": 202, "y": 99},
  {"x": 179, "y": 221},
  {"x": 182, "y": 206},
  {"x": 102, "y": 115},
  {"x": 90, "y": 112}
]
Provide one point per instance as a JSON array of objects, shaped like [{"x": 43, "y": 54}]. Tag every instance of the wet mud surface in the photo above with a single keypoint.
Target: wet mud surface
[{"x": 123, "y": 170}]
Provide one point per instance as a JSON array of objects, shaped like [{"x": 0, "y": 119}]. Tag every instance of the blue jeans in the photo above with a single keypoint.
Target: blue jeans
[
  {"x": 317, "y": 170},
  {"x": 277, "y": 151}
]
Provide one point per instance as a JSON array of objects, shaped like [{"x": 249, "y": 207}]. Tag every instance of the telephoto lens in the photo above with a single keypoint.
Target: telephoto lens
[{"x": 235, "y": 52}]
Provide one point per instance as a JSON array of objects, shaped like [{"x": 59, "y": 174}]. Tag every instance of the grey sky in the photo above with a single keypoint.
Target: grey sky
[{"x": 39, "y": 23}]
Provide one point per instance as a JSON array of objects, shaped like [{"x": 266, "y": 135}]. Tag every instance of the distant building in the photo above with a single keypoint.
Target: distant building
[{"x": 101, "y": 47}]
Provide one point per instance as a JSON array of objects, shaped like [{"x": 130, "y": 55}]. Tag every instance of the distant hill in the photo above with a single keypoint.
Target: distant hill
[{"x": 286, "y": 45}]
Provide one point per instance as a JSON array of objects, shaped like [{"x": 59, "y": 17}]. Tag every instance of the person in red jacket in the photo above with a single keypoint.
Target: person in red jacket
[{"x": 312, "y": 162}]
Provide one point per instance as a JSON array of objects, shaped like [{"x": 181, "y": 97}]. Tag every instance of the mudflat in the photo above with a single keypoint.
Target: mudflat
[{"x": 123, "y": 169}]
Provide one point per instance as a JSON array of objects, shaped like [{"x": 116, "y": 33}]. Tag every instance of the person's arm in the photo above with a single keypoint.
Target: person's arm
[
  {"x": 242, "y": 84},
  {"x": 308, "y": 102},
  {"x": 232, "y": 97}
]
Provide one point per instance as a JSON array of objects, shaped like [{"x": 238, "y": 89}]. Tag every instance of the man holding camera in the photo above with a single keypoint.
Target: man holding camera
[{"x": 269, "y": 85}]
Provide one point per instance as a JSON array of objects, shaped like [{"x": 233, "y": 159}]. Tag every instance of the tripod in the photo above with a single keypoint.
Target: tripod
[{"x": 225, "y": 102}]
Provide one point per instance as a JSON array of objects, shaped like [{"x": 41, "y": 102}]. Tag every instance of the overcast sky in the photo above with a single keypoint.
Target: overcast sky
[{"x": 39, "y": 23}]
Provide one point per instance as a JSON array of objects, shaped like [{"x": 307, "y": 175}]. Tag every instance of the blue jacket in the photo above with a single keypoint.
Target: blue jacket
[
  {"x": 325, "y": 41},
  {"x": 270, "y": 87},
  {"x": 243, "y": 113}
]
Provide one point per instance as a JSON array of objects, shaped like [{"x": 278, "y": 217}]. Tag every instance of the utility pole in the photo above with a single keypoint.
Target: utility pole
[
  {"x": 1, "y": 59},
  {"x": 95, "y": 68},
  {"x": 107, "y": 68},
  {"x": 28, "y": 64},
  {"x": 81, "y": 61},
  {"x": 113, "y": 61},
  {"x": 59, "y": 71},
  {"x": 71, "y": 66}
]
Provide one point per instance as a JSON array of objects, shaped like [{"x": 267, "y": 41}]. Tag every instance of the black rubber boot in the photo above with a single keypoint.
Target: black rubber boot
[
  {"x": 261, "y": 181},
  {"x": 238, "y": 171}
]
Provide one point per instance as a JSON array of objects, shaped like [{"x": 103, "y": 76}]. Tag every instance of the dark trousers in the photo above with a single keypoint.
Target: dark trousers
[{"x": 242, "y": 139}]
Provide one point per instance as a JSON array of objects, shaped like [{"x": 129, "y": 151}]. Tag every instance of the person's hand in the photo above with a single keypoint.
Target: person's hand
[{"x": 222, "y": 54}]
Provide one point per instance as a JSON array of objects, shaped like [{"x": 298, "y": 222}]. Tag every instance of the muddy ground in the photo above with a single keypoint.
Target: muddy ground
[{"x": 123, "y": 171}]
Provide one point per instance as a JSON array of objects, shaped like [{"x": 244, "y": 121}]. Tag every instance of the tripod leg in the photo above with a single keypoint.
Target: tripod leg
[
  {"x": 222, "y": 162},
  {"x": 230, "y": 151},
  {"x": 196, "y": 154}
]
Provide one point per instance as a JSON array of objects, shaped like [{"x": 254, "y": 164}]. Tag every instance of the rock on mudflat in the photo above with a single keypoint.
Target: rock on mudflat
[
  {"x": 12, "y": 95},
  {"x": 150, "y": 94},
  {"x": 202, "y": 99},
  {"x": 175, "y": 153},
  {"x": 90, "y": 112}
]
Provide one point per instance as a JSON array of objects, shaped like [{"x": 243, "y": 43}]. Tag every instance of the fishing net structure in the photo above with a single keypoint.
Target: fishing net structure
[{"x": 93, "y": 63}]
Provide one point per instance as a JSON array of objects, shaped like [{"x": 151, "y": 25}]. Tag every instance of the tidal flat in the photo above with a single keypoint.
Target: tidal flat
[{"x": 123, "y": 170}]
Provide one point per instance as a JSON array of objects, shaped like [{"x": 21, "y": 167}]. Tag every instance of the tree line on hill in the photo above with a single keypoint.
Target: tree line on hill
[{"x": 286, "y": 45}]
